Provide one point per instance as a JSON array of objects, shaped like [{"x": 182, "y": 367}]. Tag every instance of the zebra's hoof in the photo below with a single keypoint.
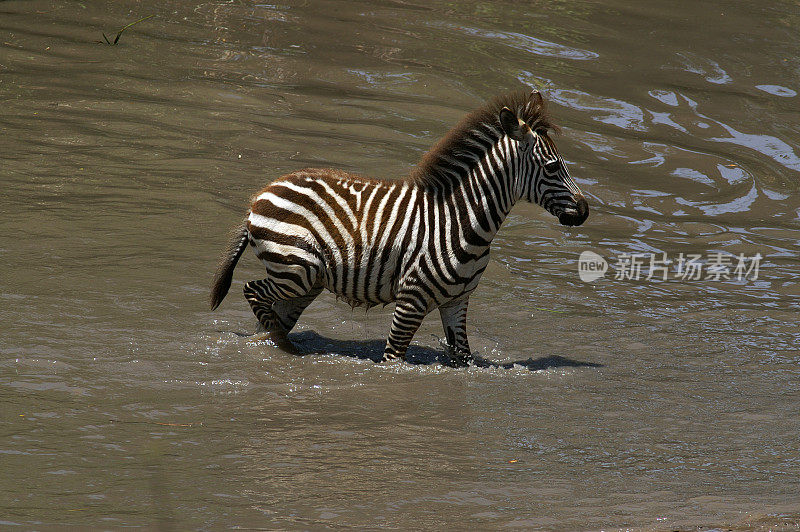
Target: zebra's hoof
[{"x": 278, "y": 339}]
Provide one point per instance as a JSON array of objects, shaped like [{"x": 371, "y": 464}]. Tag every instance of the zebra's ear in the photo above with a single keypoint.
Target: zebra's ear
[
  {"x": 536, "y": 97},
  {"x": 512, "y": 126}
]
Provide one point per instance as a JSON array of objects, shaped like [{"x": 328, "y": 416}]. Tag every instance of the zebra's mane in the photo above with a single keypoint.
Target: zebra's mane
[{"x": 474, "y": 135}]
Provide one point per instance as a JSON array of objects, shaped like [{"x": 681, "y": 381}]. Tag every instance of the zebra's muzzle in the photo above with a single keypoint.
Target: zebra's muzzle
[{"x": 575, "y": 216}]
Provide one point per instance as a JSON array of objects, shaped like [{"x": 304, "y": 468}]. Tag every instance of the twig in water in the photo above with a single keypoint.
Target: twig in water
[{"x": 116, "y": 40}]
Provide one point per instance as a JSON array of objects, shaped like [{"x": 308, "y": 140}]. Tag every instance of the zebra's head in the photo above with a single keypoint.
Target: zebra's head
[{"x": 542, "y": 175}]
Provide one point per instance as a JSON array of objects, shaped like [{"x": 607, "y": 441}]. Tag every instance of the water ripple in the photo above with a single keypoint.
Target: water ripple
[{"x": 528, "y": 43}]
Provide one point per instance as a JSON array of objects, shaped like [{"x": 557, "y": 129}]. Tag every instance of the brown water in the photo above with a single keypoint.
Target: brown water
[{"x": 653, "y": 404}]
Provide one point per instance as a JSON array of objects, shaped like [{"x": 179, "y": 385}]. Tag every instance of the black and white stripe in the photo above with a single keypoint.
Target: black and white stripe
[{"x": 421, "y": 242}]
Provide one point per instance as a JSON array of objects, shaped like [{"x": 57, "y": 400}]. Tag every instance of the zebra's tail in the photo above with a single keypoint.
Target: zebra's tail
[{"x": 222, "y": 279}]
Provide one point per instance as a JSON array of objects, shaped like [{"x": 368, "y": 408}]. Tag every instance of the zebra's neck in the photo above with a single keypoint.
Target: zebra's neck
[{"x": 480, "y": 198}]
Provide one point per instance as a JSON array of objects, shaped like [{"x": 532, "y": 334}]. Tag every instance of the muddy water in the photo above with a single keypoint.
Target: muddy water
[{"x": 616, "y": 403}]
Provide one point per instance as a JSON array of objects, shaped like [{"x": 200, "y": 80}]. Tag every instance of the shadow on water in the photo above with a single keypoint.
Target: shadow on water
[{"x": 311, "y": 343}]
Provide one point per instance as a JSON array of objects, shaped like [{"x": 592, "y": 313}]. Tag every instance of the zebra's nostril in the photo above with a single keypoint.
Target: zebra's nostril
[{"x": 578, "y": 215}]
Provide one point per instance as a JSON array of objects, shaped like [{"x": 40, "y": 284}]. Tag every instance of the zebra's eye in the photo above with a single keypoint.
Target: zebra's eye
[{"x": 552, "y": 167}]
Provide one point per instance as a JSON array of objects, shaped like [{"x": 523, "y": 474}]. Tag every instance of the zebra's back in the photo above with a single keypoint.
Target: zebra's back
[{"x": 320, "y": 227}]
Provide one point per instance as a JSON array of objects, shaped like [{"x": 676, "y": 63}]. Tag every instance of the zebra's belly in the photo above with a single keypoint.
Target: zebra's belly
[
  {"x": 362, "y": 278},
  {"x": 373, "y": 282}
]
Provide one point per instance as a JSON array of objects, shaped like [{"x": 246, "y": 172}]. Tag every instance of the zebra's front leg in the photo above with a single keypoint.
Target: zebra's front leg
[
  {"x": 408, "y": 315},
  {"x": 454, "y": 321}
]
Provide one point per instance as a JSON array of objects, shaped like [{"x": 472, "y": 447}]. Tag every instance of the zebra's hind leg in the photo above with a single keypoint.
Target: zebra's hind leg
[
  {"x": 277, "y": 306},
  {"x": 408, "y": 315},
  {"x": 454, "y": 321},
  {"x": 261, "y": 295},
  {"x": 288, "y": 311}
]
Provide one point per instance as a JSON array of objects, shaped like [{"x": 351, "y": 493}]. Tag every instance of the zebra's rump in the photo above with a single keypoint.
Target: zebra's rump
[{"x": 333, "y": 229}]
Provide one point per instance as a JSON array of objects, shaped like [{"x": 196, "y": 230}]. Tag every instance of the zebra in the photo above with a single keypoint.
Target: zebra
[{"x": 421, "y": 242}]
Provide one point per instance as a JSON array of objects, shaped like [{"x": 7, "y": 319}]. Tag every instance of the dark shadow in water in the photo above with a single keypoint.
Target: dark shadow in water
[{"x": 311, "y": 343}]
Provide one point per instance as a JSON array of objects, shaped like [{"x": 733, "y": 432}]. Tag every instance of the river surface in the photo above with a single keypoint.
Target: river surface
[{"x": 620, "y": 403}]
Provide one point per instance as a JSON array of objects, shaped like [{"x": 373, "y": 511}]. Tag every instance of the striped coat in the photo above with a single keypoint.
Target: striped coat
[{"x": 421, "y": 242}]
